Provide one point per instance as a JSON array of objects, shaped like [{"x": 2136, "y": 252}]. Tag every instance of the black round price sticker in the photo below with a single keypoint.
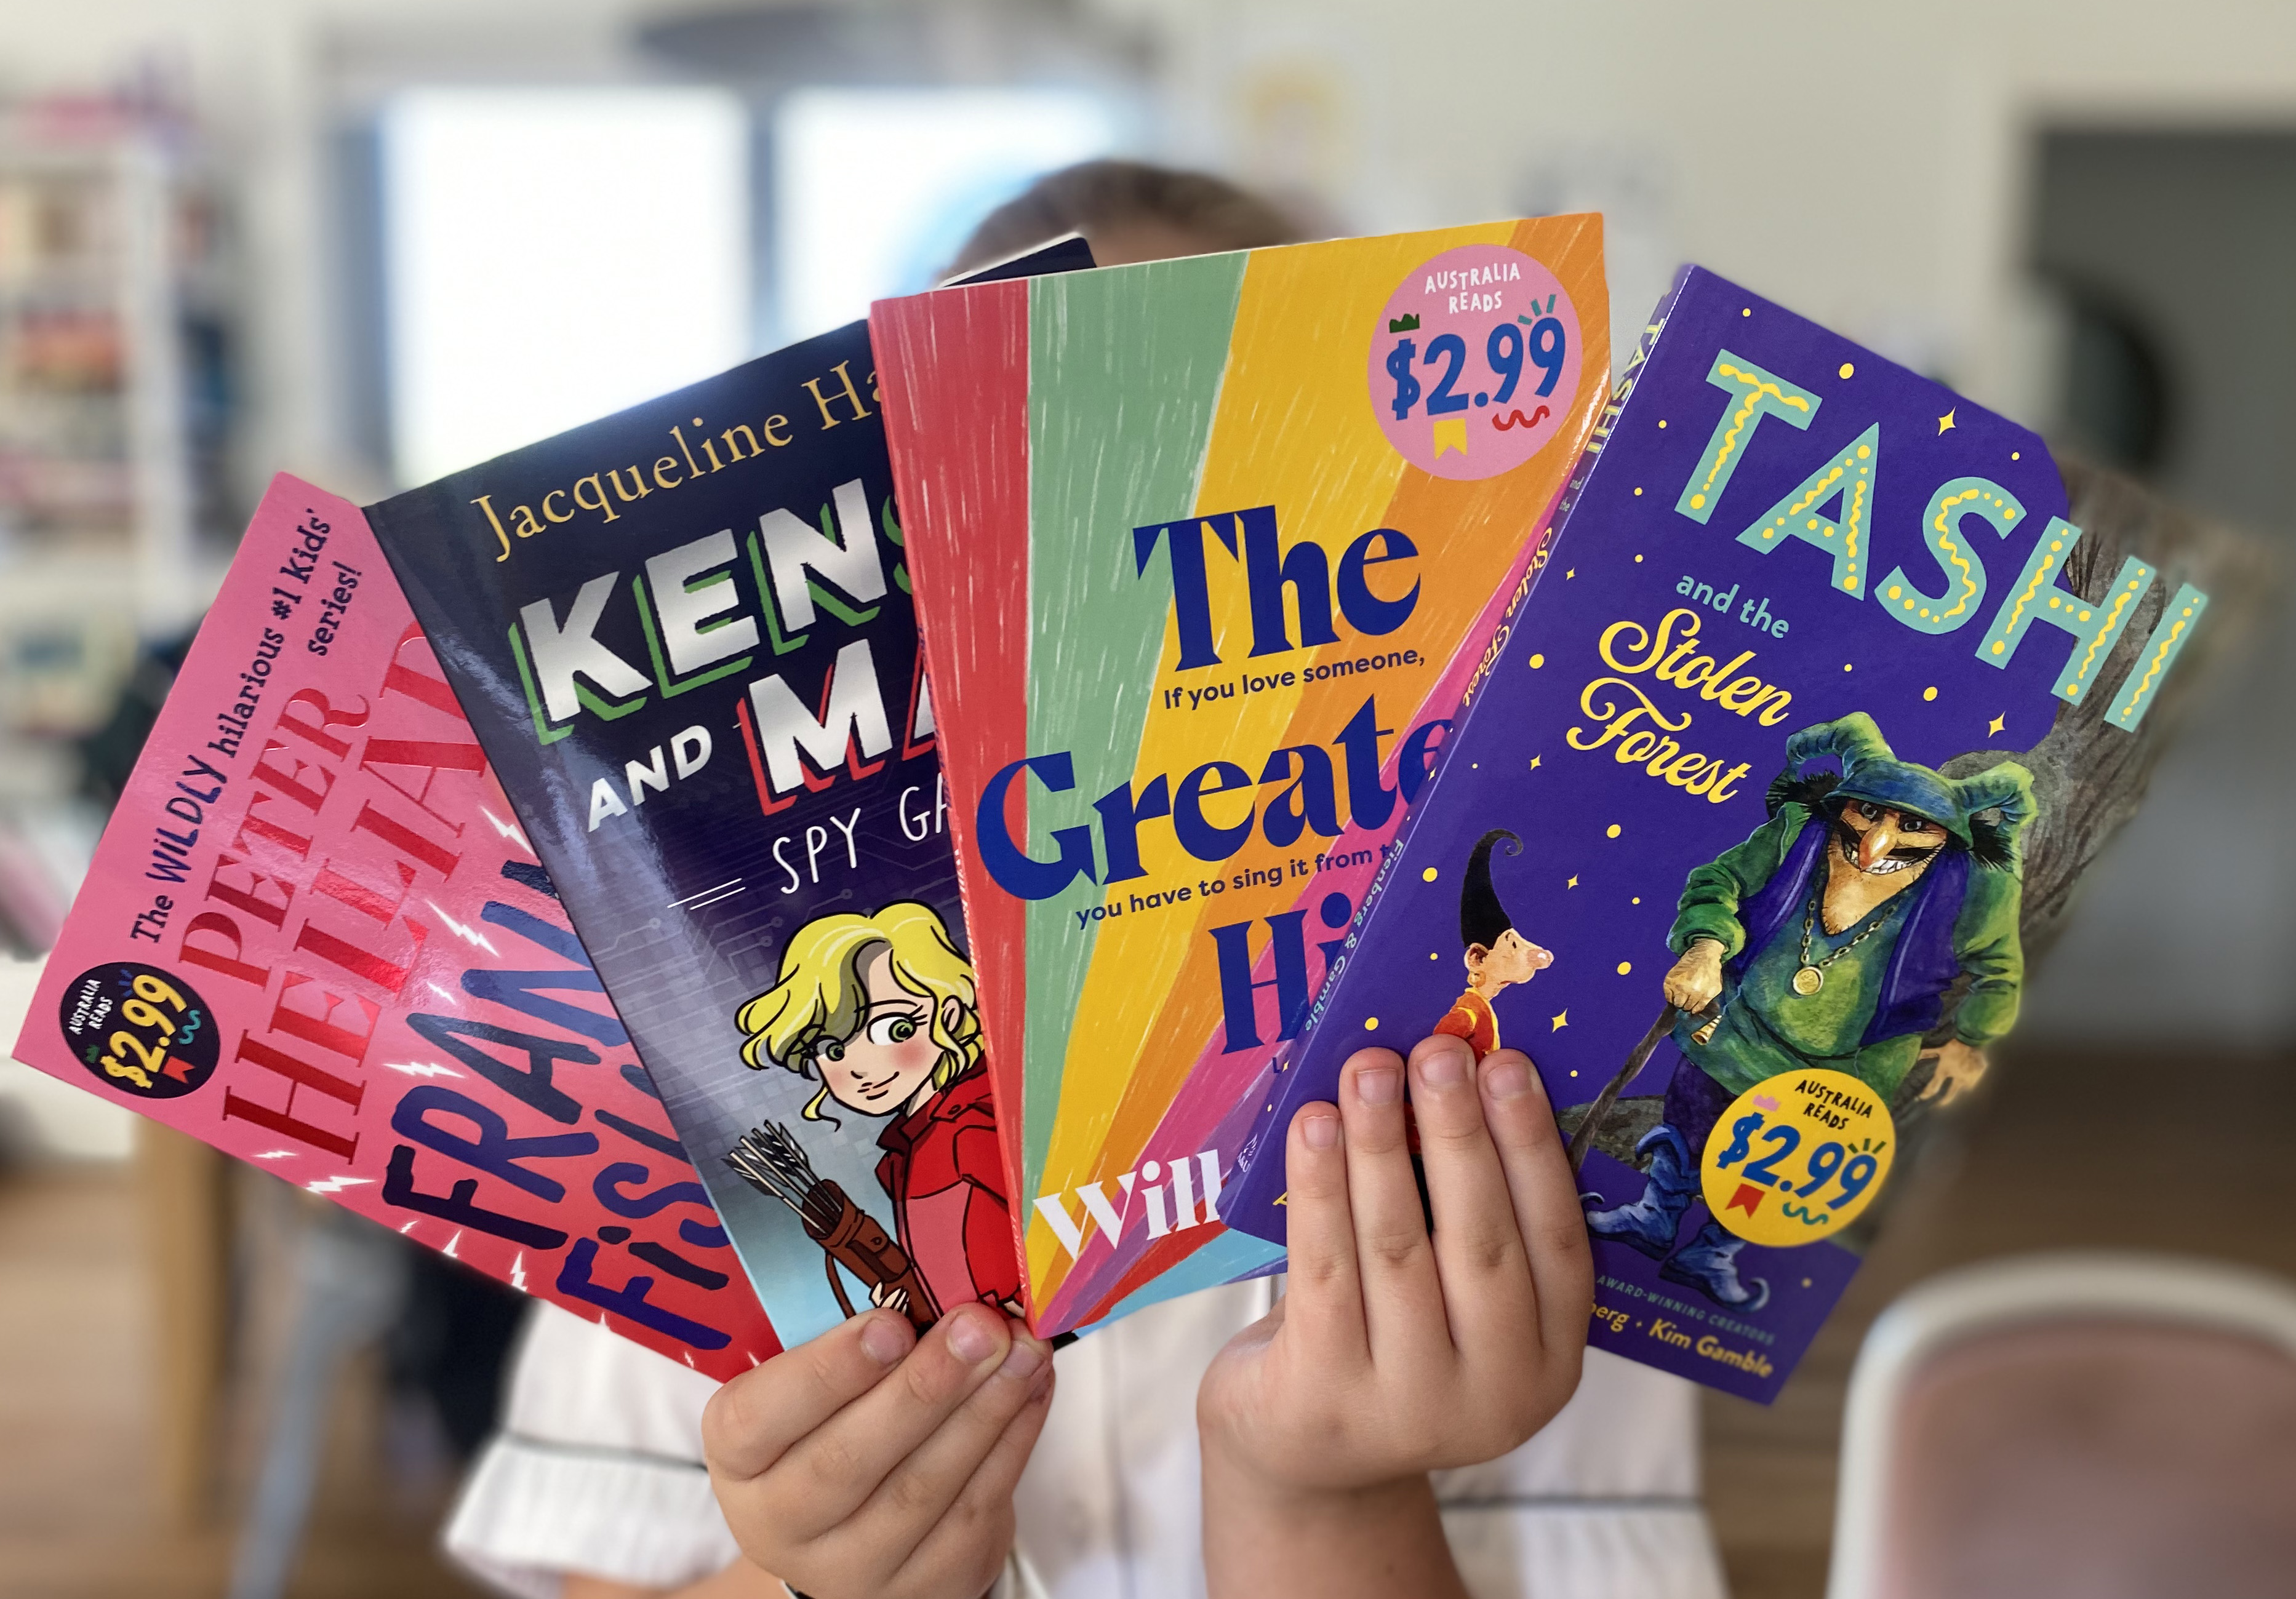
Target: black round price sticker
[{"x": 140, "y": 1030}]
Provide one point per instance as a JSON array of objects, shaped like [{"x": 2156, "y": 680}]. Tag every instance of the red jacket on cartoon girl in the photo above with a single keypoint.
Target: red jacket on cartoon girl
[
  {"x": 882, "y": 1012},
  {"x": 943, "y": 1173}
]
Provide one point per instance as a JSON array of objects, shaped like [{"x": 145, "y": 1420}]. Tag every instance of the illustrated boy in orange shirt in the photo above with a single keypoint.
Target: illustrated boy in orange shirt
[{"x": 1497, "y": 955}]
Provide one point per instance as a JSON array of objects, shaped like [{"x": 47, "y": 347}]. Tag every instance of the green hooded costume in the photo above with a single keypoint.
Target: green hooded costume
[
  {"x": 1889, "y": 981},
  {"x": 1882, "y": 983}
]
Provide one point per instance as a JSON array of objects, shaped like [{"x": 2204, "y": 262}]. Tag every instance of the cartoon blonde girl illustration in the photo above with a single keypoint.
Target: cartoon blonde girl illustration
[{"x": 881, "y": 1011}]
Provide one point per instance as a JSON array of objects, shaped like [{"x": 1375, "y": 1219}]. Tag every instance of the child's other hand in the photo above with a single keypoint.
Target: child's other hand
[
  {"x": 873, "y": 1461},
  {"x": 1392, "y": 1354}
]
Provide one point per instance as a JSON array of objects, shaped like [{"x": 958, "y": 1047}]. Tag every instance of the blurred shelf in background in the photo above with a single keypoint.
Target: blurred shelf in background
[{"x": 116, "y": 415}]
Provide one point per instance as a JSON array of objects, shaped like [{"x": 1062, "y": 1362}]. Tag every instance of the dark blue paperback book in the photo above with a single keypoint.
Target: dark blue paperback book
[{"x": 684, "y": 633}]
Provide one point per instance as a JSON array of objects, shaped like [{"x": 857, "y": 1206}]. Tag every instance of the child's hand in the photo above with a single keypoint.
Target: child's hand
[
  {"x": 871, "y": 1461},
  {"x": 1393, "y": 1354}
]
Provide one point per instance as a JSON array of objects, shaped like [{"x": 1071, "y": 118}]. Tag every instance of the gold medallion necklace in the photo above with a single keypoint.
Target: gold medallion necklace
[{"x": 1811, "y": 977}]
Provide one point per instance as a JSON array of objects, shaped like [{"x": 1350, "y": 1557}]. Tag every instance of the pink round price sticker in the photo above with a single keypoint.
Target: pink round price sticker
[{"x": 1474, "y": 361}]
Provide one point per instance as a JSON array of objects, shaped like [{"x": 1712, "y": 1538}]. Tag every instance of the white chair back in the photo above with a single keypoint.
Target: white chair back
[{"x": 2110, "y": 1426}]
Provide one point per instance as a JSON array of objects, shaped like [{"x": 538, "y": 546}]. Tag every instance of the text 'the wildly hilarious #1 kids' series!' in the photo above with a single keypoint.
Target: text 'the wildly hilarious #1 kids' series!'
[
  {"x": 1197, "y": 544},
  {"x": 315, "y": 937},
  {"x": 1731, "y": 839},
  {"x": 684, "y": 637}
]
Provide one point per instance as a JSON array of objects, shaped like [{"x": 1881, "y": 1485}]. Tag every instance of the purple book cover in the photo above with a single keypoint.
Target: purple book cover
[{"x": 1729, "y": 840}]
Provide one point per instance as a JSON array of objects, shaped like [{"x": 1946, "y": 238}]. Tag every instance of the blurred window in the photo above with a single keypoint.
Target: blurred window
[
  {"x": 875, "y": 189},
  {"x": 551, "y": 255}
]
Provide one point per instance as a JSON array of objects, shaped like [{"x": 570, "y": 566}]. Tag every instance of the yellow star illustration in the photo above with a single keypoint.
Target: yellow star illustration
[
  {"x": 1562, "y": 1021},
  {"x": 1534, "y": 763},
  {"x": 1573, "y": 883},
  {"x": 1570, "y": 572},
  {"x": 1996, "y": 724},
  {"x": 1945, "y": 422}
]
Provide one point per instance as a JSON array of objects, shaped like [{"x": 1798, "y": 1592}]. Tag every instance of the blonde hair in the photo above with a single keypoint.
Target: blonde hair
[{"x": 821, "y": 995}]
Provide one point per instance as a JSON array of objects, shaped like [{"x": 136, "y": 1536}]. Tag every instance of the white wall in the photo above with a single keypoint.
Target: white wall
[{"x": 1864, "y": 165}]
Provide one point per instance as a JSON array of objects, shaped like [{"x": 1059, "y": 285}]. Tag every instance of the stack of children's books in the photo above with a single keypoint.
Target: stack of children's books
[{"x": 909, "y": 820}]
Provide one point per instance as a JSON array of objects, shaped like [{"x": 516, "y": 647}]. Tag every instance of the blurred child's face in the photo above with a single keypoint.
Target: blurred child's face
[
  {"x": 881, "y": 1068},
  {"x": 1513, "y": 959},
  {"x": 1145, "y": 239}
]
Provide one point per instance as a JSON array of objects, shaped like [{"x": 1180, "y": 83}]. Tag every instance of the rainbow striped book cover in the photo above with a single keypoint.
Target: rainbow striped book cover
[{"x": 1197, "y": 546}]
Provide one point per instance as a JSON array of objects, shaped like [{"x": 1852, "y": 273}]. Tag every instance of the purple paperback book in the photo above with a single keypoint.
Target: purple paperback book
[{"x": 1728, "y": 837}]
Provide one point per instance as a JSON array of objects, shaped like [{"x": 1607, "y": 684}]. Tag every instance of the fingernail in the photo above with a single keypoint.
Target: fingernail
[
  {"x": 1321, "y": 1129},
  {"x": 1443, "y": 1068},
  {"x": 1024, "y": 1358},
  {"x": 969, "y": 1339},
  {"x": 1509, "y": 1080},
  {"x": 883, "y": 1341},
  {"x": 1378, "y": 1085}
]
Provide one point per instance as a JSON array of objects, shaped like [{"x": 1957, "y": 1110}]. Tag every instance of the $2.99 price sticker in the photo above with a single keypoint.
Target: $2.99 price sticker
[
  {"x": 1474, "y": 361},
  {"x": 1798, "y": 1156},
  {"x": 140, "y": 1030}
]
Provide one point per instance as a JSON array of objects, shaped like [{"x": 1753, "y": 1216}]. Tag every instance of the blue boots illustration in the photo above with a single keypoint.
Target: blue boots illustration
[
  {"x": 1708, "y": 1261},
  {"x": 1652, "y": 1221}
]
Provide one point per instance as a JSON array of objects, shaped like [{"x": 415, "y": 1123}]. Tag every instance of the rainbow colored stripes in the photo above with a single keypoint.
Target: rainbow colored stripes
[{"x": 1034, "y": 425}]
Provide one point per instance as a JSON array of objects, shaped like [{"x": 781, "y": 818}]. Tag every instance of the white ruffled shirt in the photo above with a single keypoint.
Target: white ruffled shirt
[{"x": 598, "y": 1470}]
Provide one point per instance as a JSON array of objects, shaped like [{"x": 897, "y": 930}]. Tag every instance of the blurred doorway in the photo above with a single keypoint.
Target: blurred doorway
[{"x": 2168, "y": 256}]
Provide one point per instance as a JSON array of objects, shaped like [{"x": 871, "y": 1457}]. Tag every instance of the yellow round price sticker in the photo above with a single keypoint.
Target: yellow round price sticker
[{"x": 1798, "y": 1156}]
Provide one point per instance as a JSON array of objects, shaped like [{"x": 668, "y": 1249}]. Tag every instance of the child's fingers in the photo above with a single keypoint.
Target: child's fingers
[
  {"x": 1478, "y": 1248},
  {"x": 1545, "y": 1195},
  {"x": 1322, "y": 1299},
  {"x": 842, "y": 1462},
  {"x": 754, "y": 1419},
  {"x": 986, "y": 1490},
  {"x": 919, "y": 1489},
  {"x": 994, "y": 1479},
  {"x": 1402, "y": 1297}
]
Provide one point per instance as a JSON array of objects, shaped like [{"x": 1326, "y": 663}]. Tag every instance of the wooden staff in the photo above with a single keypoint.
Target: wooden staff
[{"x": 1599, "y": 1113}]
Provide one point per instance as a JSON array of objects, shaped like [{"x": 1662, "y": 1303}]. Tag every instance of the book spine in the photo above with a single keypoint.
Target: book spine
[{"x": 990, "y": 499}]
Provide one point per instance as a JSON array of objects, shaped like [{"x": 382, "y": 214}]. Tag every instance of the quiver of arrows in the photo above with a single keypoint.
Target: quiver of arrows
[{"x": 774, "y": 1163}]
